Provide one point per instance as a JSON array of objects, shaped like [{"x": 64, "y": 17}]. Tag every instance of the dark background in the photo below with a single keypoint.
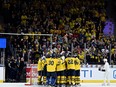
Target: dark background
[{"x": 111, "y": 12}]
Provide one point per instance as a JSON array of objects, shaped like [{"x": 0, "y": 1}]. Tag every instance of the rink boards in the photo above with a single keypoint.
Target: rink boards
[
  {"x": 2, "y": 74},
  {"x": 92, "y": 75},
  {"x": 87, "y": 74}
]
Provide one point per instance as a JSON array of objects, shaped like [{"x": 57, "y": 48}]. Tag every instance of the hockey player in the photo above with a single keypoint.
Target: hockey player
[
  {"x": 61, "y": 74},
  {"x": 41, "y": 70},
  {"x": 44, "y": 70},
  {"x": 77, "y": 70},
  {"x": 51, "y": 70},
  {"x": 70, "y": 69}
]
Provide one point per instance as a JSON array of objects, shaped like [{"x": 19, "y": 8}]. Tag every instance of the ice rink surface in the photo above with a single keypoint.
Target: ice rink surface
[{"x": 82, "y": 85}]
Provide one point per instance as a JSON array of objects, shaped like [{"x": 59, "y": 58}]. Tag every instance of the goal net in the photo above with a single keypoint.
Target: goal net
[{"x": 30, "y": 47}]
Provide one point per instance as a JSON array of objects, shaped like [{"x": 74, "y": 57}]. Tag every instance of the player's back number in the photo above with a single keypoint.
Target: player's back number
[{"x": 51, "y": 62}]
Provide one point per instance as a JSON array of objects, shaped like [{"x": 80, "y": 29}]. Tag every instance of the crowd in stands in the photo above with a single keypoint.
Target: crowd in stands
[{"x": 76, "y": 25}]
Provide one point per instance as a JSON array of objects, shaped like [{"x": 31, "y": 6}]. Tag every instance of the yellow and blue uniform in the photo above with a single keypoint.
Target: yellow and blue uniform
[
  {"x": 51, "y": 64},
  {"x": 39, "y": 69},
  {"x": 61, "y": 75},
  {"x": 70, "y": 62},
  {"x": 77, "y": 71},
  {"x": 51, "y": 70}
]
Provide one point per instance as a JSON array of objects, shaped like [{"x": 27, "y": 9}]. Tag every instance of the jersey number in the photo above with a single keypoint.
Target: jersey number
[
  {"x": 76, "y": 63},
  {"x": 51, "y": 62},
  {"x": 70, "y": 61}
]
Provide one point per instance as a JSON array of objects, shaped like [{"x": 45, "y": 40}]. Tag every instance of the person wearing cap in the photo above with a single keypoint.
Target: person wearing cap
[{"x": 106, "y": 72}]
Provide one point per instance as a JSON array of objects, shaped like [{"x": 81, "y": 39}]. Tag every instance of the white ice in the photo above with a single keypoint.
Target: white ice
[{"x": 82, "y": 85}]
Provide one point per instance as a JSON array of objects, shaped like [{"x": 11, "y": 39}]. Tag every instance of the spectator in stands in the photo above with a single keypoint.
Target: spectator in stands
[{"x": 113, "y": 57}]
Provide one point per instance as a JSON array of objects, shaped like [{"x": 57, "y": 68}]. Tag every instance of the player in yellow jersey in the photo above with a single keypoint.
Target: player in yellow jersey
[
  {"x": 44, "y": 71},
  {"x": 77, "y": 70},
  {"x": 61, "y": 75},
  {"x": 51, "y": 70},
  {"x": 70, "y": 62},
  {"x": 39, "y": 69},
  {"x": 58, "y": 72}
]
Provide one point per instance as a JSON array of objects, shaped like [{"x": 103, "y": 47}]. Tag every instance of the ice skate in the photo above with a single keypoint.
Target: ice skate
[
  {"x": 103, "y": 84},
  {"x": 108, "y": 84},
  {"x": 79, "y": 85}
]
